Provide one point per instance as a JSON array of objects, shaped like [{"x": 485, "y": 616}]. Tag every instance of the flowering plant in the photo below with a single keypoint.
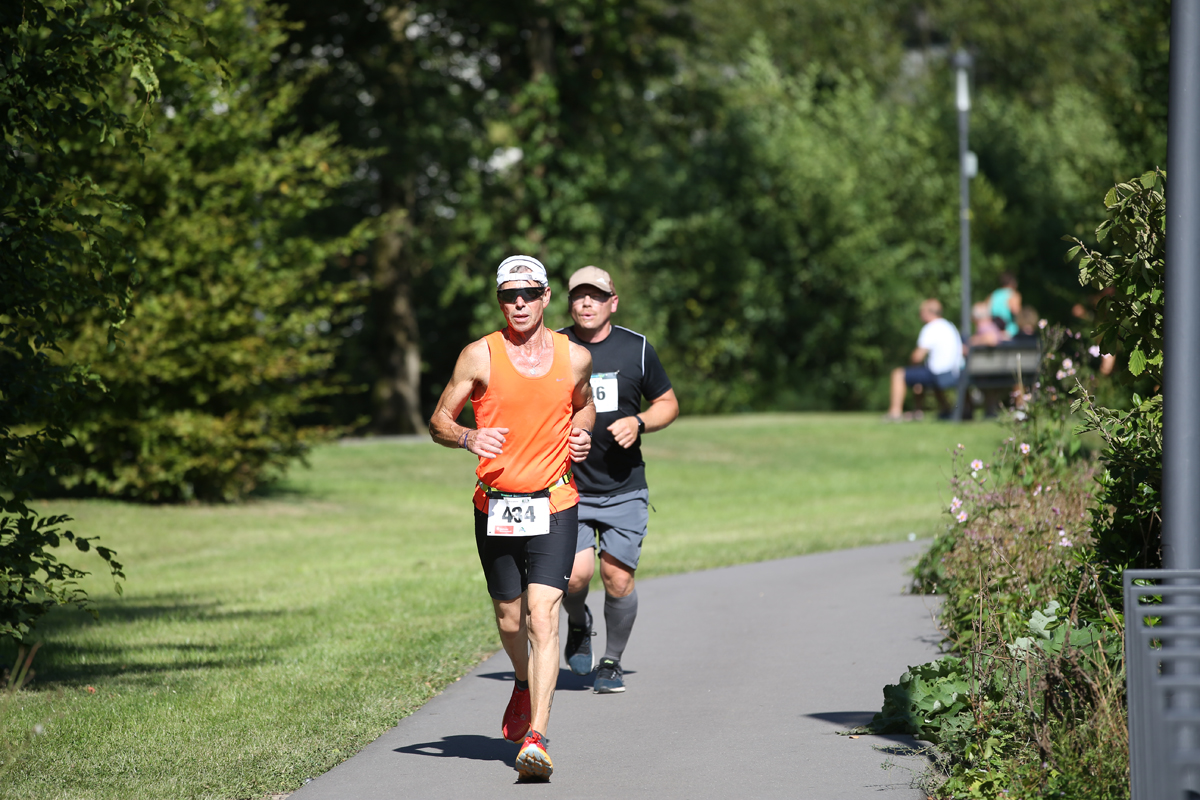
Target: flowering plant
[{"x": 1021, "y": 530}]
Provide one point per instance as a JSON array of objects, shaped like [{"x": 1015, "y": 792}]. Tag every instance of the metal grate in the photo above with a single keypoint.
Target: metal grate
[{"x": 1162, "y": 667}]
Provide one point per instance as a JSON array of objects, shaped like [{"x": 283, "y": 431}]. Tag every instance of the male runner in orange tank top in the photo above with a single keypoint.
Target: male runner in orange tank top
[{"x": 531, "y": 391}]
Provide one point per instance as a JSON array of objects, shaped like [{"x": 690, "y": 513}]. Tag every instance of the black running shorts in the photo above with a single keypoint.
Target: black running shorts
[{"x": 511, "y": 563}]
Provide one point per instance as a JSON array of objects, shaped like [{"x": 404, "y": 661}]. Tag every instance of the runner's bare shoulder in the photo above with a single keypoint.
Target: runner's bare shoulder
[
  {"x": 474, "y": 363},
  {"x": 581, "y": 360}
]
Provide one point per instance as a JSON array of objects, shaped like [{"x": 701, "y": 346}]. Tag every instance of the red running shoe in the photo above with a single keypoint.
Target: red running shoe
[
  {"x": 517, "y": 715},
  {"x": 533, "y": 762}
]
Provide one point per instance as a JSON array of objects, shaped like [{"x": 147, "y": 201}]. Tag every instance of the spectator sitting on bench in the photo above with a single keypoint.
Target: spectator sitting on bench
[
  {"x": 936, "y": 361},
  {"x": 1005, "y": 303},
  {"x": 987, "y": 332}
]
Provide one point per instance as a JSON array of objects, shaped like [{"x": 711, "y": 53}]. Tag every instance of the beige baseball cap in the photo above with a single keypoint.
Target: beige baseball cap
[{"x": 591, "y": 276}]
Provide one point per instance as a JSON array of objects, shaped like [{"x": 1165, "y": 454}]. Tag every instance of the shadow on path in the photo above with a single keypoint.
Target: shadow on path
[
  {"x": 472, "y": 746},
  {"x": 568, "y": 681},
  {"x": 907, "y": 744}
]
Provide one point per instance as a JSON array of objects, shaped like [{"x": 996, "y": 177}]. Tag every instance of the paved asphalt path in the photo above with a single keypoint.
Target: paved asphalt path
[{"x": 738, "y": 681}]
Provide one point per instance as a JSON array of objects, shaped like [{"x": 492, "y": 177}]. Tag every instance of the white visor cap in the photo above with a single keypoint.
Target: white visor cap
[{"x": 521, "y": 268}]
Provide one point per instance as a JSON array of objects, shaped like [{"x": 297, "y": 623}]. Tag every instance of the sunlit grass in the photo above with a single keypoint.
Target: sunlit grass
[{"x": 260, "y": 644}]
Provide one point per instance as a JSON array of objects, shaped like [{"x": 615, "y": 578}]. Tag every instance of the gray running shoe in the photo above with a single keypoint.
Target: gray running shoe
[
  {"x": 608, "y": 677},
  {"x": 579, "y": 645}
]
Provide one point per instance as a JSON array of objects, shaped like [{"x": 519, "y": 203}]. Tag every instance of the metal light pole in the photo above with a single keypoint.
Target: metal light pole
[
  {"x": 1181, "y": 373},
  {"x": 967, "y": 167},
  {"x": 1163, "y": 662}
]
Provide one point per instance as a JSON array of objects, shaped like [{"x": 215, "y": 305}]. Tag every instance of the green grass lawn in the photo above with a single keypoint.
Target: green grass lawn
[{"x": 260, "y": 644}]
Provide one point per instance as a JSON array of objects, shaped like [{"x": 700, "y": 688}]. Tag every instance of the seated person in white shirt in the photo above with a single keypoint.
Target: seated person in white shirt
[{"x": 936, "y": 361}]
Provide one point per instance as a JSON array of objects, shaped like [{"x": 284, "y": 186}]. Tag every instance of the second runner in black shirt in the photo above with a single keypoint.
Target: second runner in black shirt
[{"x": 613, "y": 496}]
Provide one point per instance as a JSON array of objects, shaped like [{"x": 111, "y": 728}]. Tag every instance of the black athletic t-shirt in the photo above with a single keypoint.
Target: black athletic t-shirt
[{"x": 624, "y": 360}]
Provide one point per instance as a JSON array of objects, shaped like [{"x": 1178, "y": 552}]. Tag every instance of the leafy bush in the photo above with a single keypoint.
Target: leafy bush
[
  {"x": 34, "y": 579},
  {"x": 932, "y": 701},
  {"x": 1129, "y": 322}
]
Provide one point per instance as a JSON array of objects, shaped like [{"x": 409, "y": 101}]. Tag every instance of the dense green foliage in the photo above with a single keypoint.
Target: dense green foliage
[
  {"x": 771, "y": 211},
  {"x": 501, "y": 128},
  {"x": 74, "y": 83},
  {"x": 232, "y": 322},
  {"x": 1129, "y": 321}
]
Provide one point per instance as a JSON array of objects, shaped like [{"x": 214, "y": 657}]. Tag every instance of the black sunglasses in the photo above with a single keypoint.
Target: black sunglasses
[{"x": 528, "y": 293}]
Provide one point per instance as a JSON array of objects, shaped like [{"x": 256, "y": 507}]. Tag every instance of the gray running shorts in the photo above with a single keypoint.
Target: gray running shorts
[{"x": 619, "y": 520}]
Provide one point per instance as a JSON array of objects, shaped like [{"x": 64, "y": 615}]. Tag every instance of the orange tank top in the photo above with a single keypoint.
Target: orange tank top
[{"x": 538, "y": 414}]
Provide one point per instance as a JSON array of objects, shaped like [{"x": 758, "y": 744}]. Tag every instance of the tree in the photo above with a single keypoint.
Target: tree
[
  {"x": 787, "y": 258},
  {"x": 1070, "y": 98},
  {"x": 503, "y": 127},
  {"x": 233, "y": 320},
  {"x": 60, "y": 251}
]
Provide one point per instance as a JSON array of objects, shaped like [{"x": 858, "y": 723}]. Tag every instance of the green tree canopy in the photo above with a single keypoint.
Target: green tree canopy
[{"x": 233, "y": 321}]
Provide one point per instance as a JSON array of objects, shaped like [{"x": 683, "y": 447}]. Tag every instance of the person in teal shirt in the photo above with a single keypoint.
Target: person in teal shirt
[{"x": 1005, "y": 303}]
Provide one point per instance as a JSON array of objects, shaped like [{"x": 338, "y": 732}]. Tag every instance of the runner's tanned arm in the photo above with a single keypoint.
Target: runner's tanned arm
[
  {"x": 581, "y": 400},
  {"x": 471, "y": 372}
]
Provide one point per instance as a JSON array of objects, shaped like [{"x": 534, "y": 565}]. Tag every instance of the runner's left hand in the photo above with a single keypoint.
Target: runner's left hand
[
  {"x": 580, "y": 444},
  {"x": 625, "y": 431}
]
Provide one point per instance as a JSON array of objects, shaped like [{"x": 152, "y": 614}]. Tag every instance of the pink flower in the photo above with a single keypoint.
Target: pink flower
[
  {"x": 962, "y": 516},
  {"x": 1042, "y": 324},
  {"x": 955, "y": 504},
  {"x": 1094, "y": 351},
  {"x": 977, "y": 465},
  {"x": 1038, "y": 490},
  {"x": 1024, "y": 449}
]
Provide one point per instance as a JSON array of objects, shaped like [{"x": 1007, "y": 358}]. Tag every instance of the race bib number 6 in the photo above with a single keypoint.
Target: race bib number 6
[
  {"x": 604, "y": 391},
  {"x": 518, "y": 516}
]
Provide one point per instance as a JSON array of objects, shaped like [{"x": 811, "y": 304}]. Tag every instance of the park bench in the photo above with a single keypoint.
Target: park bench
[{"x": 996, "y": 371}]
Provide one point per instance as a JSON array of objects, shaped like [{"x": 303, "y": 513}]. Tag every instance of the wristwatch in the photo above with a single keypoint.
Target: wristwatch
[{"x": 641, "y": 423}]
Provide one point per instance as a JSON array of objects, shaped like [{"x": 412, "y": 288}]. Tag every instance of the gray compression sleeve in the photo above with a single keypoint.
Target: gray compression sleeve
[{"x": 619, "y": 614}]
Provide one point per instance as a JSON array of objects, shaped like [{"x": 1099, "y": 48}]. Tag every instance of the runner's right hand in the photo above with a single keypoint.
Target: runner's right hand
[{"x": 486, "y": 442}]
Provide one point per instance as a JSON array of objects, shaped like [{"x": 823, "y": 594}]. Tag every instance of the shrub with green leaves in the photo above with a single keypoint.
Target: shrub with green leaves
[
  {"x": 1129, "y": 324},
  {"x": 931, "y": 701},
  {"x": 232, "y": 323}
]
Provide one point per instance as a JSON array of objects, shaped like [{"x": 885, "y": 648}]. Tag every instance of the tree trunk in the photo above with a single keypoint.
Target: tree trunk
[
  {"x": 541, "y": 49},
  {"x": 398, "y": 389}
]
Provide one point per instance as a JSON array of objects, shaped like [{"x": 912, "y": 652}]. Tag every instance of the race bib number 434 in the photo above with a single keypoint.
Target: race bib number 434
[
  {"x": 604, "y": 391},
  {"x": 518, "y": 516}
]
